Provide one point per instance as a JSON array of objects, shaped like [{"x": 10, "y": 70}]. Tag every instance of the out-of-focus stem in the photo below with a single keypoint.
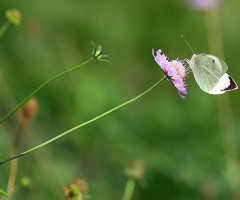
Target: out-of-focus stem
[
  {"x": 4, "y": 28},
  {"x": 14, "y": 163},
  {"x": 226, "y": 121},
  {"x": 129, "y": 189},
  {"x": 27, "y": 113}
]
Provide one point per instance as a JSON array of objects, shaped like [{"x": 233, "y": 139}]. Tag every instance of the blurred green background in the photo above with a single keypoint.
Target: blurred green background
[{"x": 179, "y": 140}]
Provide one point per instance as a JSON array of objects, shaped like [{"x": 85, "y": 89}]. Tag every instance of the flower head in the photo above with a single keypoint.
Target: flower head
[
  {"x": 14, "y": 16},
  {"x": 76, "y": 190},
  {"x": 204, "y": 4},
  {"x": 135, "y": 169},
  {"x": 30, "y": 109},
  {"x": 174, "y": 70}
]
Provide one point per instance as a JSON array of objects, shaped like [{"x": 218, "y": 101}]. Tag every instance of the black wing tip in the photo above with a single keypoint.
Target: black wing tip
[{"x": 233, "y": 85}]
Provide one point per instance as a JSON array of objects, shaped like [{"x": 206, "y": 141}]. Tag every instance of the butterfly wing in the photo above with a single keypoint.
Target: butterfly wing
[
  {"x": 207, "y": 70},
  {"x": 226, "y": 83}
]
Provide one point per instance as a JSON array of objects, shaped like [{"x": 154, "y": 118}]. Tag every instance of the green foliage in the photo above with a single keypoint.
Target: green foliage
[{"x": 178, "y": 140}]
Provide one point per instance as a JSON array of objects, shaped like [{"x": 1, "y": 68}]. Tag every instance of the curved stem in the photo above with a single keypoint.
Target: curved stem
[
  {"x": 3, "y": 193},
  {"x": 40, "y": 87},
  {"x": 83, "y": 124},
  {"x": 129, "y": 189}
]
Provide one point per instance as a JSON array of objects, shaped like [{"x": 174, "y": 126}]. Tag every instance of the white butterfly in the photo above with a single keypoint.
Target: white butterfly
[{"x": 210, "y": 73}]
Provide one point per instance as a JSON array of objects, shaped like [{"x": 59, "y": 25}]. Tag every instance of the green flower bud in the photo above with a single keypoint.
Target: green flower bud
[
  {"x": 14, "y": 16},
  {"x": 97, "y": 53},
  {"x": 25, "y": 182}
]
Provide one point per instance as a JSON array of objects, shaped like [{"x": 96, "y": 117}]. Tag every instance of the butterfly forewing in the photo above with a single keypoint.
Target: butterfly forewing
[
  {"x": 207, "y": 70},
  {"x": 223, "y": 65}
]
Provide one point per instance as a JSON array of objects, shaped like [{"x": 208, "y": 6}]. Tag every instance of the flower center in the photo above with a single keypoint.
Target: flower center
[{"x": 179, "y": 68}]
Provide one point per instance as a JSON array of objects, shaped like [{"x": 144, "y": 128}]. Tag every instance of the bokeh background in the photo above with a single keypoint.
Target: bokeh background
[{"x": 183, "y": 143}]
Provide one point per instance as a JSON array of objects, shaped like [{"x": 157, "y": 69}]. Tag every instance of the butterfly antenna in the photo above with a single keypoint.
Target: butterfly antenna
[{"x": 187, "y": 43}]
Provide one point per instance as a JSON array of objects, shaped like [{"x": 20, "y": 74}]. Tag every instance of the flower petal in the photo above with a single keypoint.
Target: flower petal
[
  {"x": 161, "y": 60},
  {"x": 174, "y": 70}
]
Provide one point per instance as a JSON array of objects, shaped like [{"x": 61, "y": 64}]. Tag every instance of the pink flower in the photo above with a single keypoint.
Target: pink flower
[
  {"x": 174, "y": 70},
  {"x": 204, "y": 4}
]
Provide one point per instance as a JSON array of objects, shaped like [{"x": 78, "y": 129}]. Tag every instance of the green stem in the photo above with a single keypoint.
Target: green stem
[
  {"x": 4, "y": 28},
  {"x": 4, "y": 194},
  {"x": 40, "y": 87},
  {"x": 129, "y": 189},
  {"x": 83, "y": 124}
]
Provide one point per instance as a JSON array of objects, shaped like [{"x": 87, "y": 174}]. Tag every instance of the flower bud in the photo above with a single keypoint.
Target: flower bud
[
  {"x": 135, "y": 170},
  {"x": 76, "y": 190},
  {"x": 25, "y": 182},
  {"x": 14, "y": 16},
  {"x": 204, "y": 5},
  {"x": 97, "y": 53},
  {"x": 30, "y": 109}
]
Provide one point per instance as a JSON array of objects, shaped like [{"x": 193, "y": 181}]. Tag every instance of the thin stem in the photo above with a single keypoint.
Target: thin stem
[
  {"x": 129, "y": 189},
  {"x": 4, "y": 28},
  {"x": 3, "y": 193},
  {"x": 224, "y": 107},
  {"x": 83, "y": 124},
  {"x": 14, "y": 164},
  {"x": 40, "y": 87}
]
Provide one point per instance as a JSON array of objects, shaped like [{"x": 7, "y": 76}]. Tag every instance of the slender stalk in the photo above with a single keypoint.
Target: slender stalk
[
  {"x": 41, "y": 86},
  {"x": 83, "y": 124},
  {"x": 4, "y": 28},
  {"x": 129, "y": 189},
  {"x": 225, "y": 114},
  {"x": 14, "y": 164}
]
